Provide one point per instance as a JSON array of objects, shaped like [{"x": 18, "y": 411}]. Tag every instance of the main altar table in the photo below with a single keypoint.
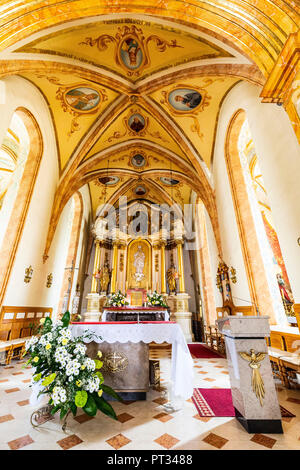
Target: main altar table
[
  {"x": 182, "y": 373},
  {"x": 134, "y": 313}
]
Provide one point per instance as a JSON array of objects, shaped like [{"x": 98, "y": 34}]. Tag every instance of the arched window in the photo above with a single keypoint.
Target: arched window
[
  {"x": 13, "y": 155},
  {"x": 262, "y": 214}
]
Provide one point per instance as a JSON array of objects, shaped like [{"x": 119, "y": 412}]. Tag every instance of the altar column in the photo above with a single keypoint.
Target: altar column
[
  {"x": 93, "y": 311},
  {"x": 96, "y": 266},
  {"x": 180, "y": 266},
  {"x": 114, "y": 268},
  {"x": 163, "y": 267}
]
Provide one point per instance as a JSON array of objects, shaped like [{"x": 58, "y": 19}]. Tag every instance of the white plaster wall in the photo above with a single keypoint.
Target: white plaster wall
[
  {"x": 232, "y": 252},
  {"x": 279, "y": 158},
  {"x": 31, "y": 247}
]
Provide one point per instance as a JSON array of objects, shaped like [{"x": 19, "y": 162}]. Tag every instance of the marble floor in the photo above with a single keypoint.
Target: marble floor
[{"x": 141, "y": 425}]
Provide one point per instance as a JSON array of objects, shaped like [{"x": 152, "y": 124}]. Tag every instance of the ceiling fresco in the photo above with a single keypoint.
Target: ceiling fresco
[{"x": 134, "y": 102}]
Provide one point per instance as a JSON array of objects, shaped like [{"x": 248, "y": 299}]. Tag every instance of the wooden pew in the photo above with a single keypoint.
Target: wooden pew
[
  {"x": 284, "y": 353},
  {"x": 16, "y": 326}
]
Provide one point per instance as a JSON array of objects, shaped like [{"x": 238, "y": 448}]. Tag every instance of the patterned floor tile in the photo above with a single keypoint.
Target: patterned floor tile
[
  {"x": 263, "y": 440},
  {"x": 18, "y": 373},
  {"x": 5, "y": 418},
  {"x": 167, "y": 441},
  {"x": 160, "y": 401},
  {"x": 3, "y": 380},
  {"x": 23, "y": 402},
  {"x": 118, "y": 441},
  {"x": 26, "y": 381},
  {"x": 83, "y": 418},
  {"x": 123, "y": 417},
  {"x": 202, "y": 372},
  {"x": 201, "y": 418},
  {"x": 163, "y": 417},
  {"x": 215, "y": 440},
  {"x": 11, "y": 390},
  {"x": 20, "y": 442},
  {"x": 69, "y": 442},
  {"x": 209, "y": 380}
]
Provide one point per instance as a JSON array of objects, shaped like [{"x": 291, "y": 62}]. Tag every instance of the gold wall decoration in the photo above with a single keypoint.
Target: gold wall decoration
[
  {"x": 49, "y": 280},
  {"x": 121, "y": 264},
  {"x": 257, "y": 383},
  {"x": 190, "y": 110},
  {"x": 131, "y": 47},
  {"x": 115, "y": 362},
  {"x": 157, "y": 262},
  {"x": 233, "y": 275},
  {"x": 28, "y": 274},
  {"x": 77, "y": 99}
]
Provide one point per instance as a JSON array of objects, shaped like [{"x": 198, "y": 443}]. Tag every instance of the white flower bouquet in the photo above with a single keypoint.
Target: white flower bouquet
[
  {"x": 70, "y": 378},
  {"x": 156, "y": 300},
  {"x": 117, "y": 300}
]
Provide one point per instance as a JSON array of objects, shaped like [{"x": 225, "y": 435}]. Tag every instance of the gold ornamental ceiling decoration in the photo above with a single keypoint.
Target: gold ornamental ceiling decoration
[{"x": 131, "y": 47}]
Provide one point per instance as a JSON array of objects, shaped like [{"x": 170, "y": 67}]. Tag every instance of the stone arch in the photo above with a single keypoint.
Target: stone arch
[
  {"x": 22, "y": 201},
  {"x": 68, "y": 277}
]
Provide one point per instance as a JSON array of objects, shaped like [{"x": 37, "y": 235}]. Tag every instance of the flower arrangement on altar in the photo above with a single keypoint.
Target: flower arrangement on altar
[
  {"x": 118, "y": 300},
  {"x": 156, "y": 299},
  {"x": 64, "y": 372}
]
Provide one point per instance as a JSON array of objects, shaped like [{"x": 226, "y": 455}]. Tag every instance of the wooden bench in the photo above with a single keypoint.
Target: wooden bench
[
  {"x": 214, "y": 339},
  {"x": 16, "y": 326},
  {"x": 283, "y": 349}
]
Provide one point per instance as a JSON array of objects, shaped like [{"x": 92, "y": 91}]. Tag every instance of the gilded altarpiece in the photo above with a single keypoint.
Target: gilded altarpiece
[{"x": 139, "y": 265}]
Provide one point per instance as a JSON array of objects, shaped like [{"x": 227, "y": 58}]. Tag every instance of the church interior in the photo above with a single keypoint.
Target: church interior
[{"x": 148, "y": 186}]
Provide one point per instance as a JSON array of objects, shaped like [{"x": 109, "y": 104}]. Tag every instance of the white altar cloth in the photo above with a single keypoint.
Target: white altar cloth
[{"x": 182, "y": 373}]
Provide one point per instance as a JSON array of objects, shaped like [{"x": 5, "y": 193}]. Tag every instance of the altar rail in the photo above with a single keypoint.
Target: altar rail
[{"x": 17, "y": 325}]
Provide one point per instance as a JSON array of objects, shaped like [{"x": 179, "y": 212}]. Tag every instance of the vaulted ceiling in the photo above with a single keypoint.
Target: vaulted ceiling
[{"x": 135, "y": 96}]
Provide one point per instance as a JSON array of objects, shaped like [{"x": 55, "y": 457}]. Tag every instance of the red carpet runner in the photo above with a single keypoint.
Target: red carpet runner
[
  {"x": 217, "y": 403},
  {"x": 213, "y": 402},
  {"x": 200, "y": 351}
]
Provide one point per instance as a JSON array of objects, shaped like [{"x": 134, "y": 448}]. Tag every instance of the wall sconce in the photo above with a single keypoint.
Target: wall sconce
[
  {"x": 49, "y": 280},
  {"x": 233, "y": 275},
  {"x": 28, "y": 274}
]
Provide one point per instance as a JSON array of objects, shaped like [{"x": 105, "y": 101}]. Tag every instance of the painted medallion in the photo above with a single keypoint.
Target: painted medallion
[
  {"x": 109, "y": 180},
  {"x": 82, "y": 99},
  {"x": 131, "y": 53},
  {"x": 136, "y": 122},
  {"x": 138, "y": 160},
  {"x": 169, "y": 181},
  {"x": 184, "y": 99}
]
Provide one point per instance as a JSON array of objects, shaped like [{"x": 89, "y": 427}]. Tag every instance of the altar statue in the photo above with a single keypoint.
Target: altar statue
[
  {"x": 172, "y": 275},
  {"x": 139, "y": 262},
  {"x": 104, "y": 277}
]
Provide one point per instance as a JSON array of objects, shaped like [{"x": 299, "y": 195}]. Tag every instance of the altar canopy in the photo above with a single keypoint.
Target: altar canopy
[{"x": 182, "y": 374}]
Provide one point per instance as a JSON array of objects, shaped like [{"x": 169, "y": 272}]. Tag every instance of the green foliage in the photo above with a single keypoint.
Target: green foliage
[
  {"x": 109, "y": 391},
  {"x": 104, "y": 406},
  {"x": 90, "y": 408},
  {"x": 65, "y": 373},
  {"x": 81, "y": 398}
]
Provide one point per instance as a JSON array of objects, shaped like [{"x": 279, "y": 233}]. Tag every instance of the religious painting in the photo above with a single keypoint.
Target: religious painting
[
  {"x": 131, "y": 53},
  {"x": 82, "y": 99},
  {"x": 138, "y": 160},
  {"x": 140, "y": 190},
  {"x": 109, "y": 180},
  {"x": 136, "y": 122},
  {"x": 139, "y": 265},
  {"x": 184, "y": 99},
  {"x": 169, "y": 181}
]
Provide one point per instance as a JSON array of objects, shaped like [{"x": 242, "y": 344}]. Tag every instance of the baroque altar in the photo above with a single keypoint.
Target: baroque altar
[{"x": 137, "y": 265}]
